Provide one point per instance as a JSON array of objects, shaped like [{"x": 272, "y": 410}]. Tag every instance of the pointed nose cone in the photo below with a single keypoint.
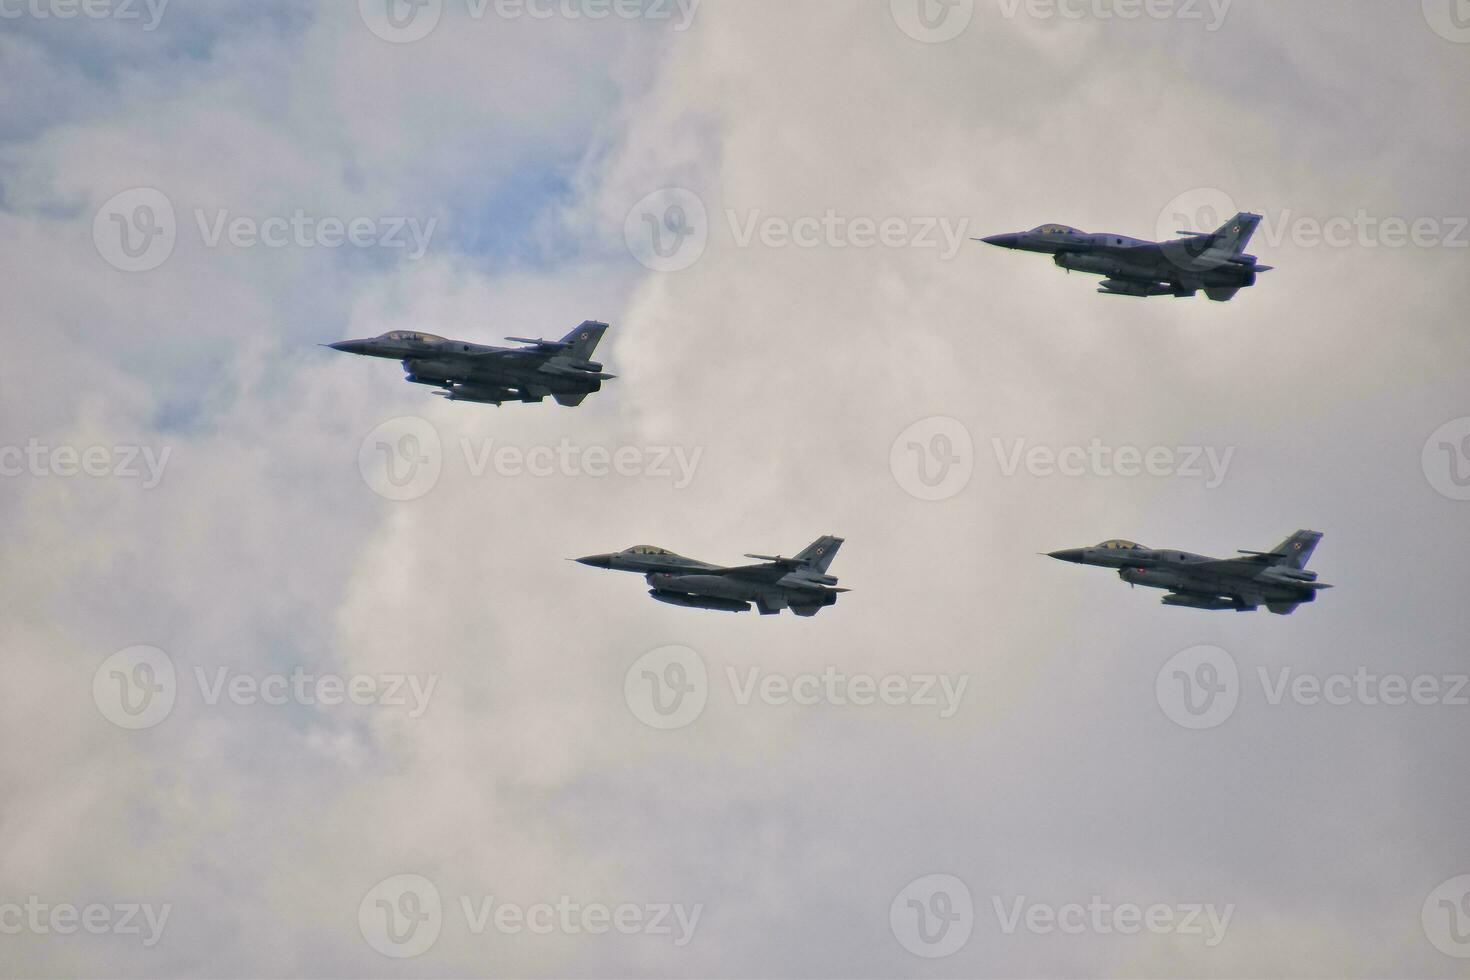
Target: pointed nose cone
[
  {"x": 1003, "y": 241},
  {"x": 1068, "y": 554},
  {"x": 350, "y": 346},
  {"x": 596, "y": 561}
]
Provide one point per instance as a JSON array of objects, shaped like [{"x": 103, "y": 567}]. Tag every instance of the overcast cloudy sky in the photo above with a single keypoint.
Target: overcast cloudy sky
[{"x": 297, "y": 681}]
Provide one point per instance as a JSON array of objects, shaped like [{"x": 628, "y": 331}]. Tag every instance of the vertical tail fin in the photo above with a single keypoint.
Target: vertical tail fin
[
  {"x": 1297, "y": 549},
  {"x": 1234, "y": 235},
  {"x": 819, "y": 553},
  {"x": 584, "y": 339}
]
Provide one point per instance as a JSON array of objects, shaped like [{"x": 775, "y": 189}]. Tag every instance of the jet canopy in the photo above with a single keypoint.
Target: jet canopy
[
  {"x": 648, "y": 549},
  {"x": 1118, "y": 544},
  {"x": 1054, "y": 230},
  {"x": 408, "y": 335}
]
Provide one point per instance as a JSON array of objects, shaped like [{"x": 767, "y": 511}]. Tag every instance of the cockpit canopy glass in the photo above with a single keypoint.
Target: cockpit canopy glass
[
  {"x": 1118, "y": 544},
  {"x": 1054, "y": 230},
  {"x": 648, "y": 549},
  {"x": 408, "y": 335}
]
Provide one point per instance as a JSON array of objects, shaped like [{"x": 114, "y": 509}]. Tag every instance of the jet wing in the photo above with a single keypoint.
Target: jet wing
[
  {"x": 1248, "y": 567},
  {"x": 769, "y": 573}
]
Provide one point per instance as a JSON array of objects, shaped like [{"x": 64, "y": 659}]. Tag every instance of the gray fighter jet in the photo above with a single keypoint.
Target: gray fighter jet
[
  {"x": 1215, "y": 261},
  {"x": 1277, "y": 579},
  {"x": 800, "y": 584},
  {"x": 468, "y": 372}
]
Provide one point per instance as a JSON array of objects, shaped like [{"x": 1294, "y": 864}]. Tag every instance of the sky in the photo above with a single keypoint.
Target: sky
[{"x": 298, "y": 681}]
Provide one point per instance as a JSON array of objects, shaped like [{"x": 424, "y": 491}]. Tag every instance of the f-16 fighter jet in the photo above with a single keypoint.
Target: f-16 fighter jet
[
  {"x": 1215, "y": 261},
  {"x": 1277, "y": 579},
  {"x": 468, "y": 372},
  {"x": 800, "y": 584}
]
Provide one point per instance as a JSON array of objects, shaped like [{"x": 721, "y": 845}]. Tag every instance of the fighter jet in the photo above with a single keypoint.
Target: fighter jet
[
  {"x": 468, "y": 372},
  {"x": 800, "y": 584},
  {"x": 1215, "y": 261},
  {"x": 1277, "y": 579}
]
